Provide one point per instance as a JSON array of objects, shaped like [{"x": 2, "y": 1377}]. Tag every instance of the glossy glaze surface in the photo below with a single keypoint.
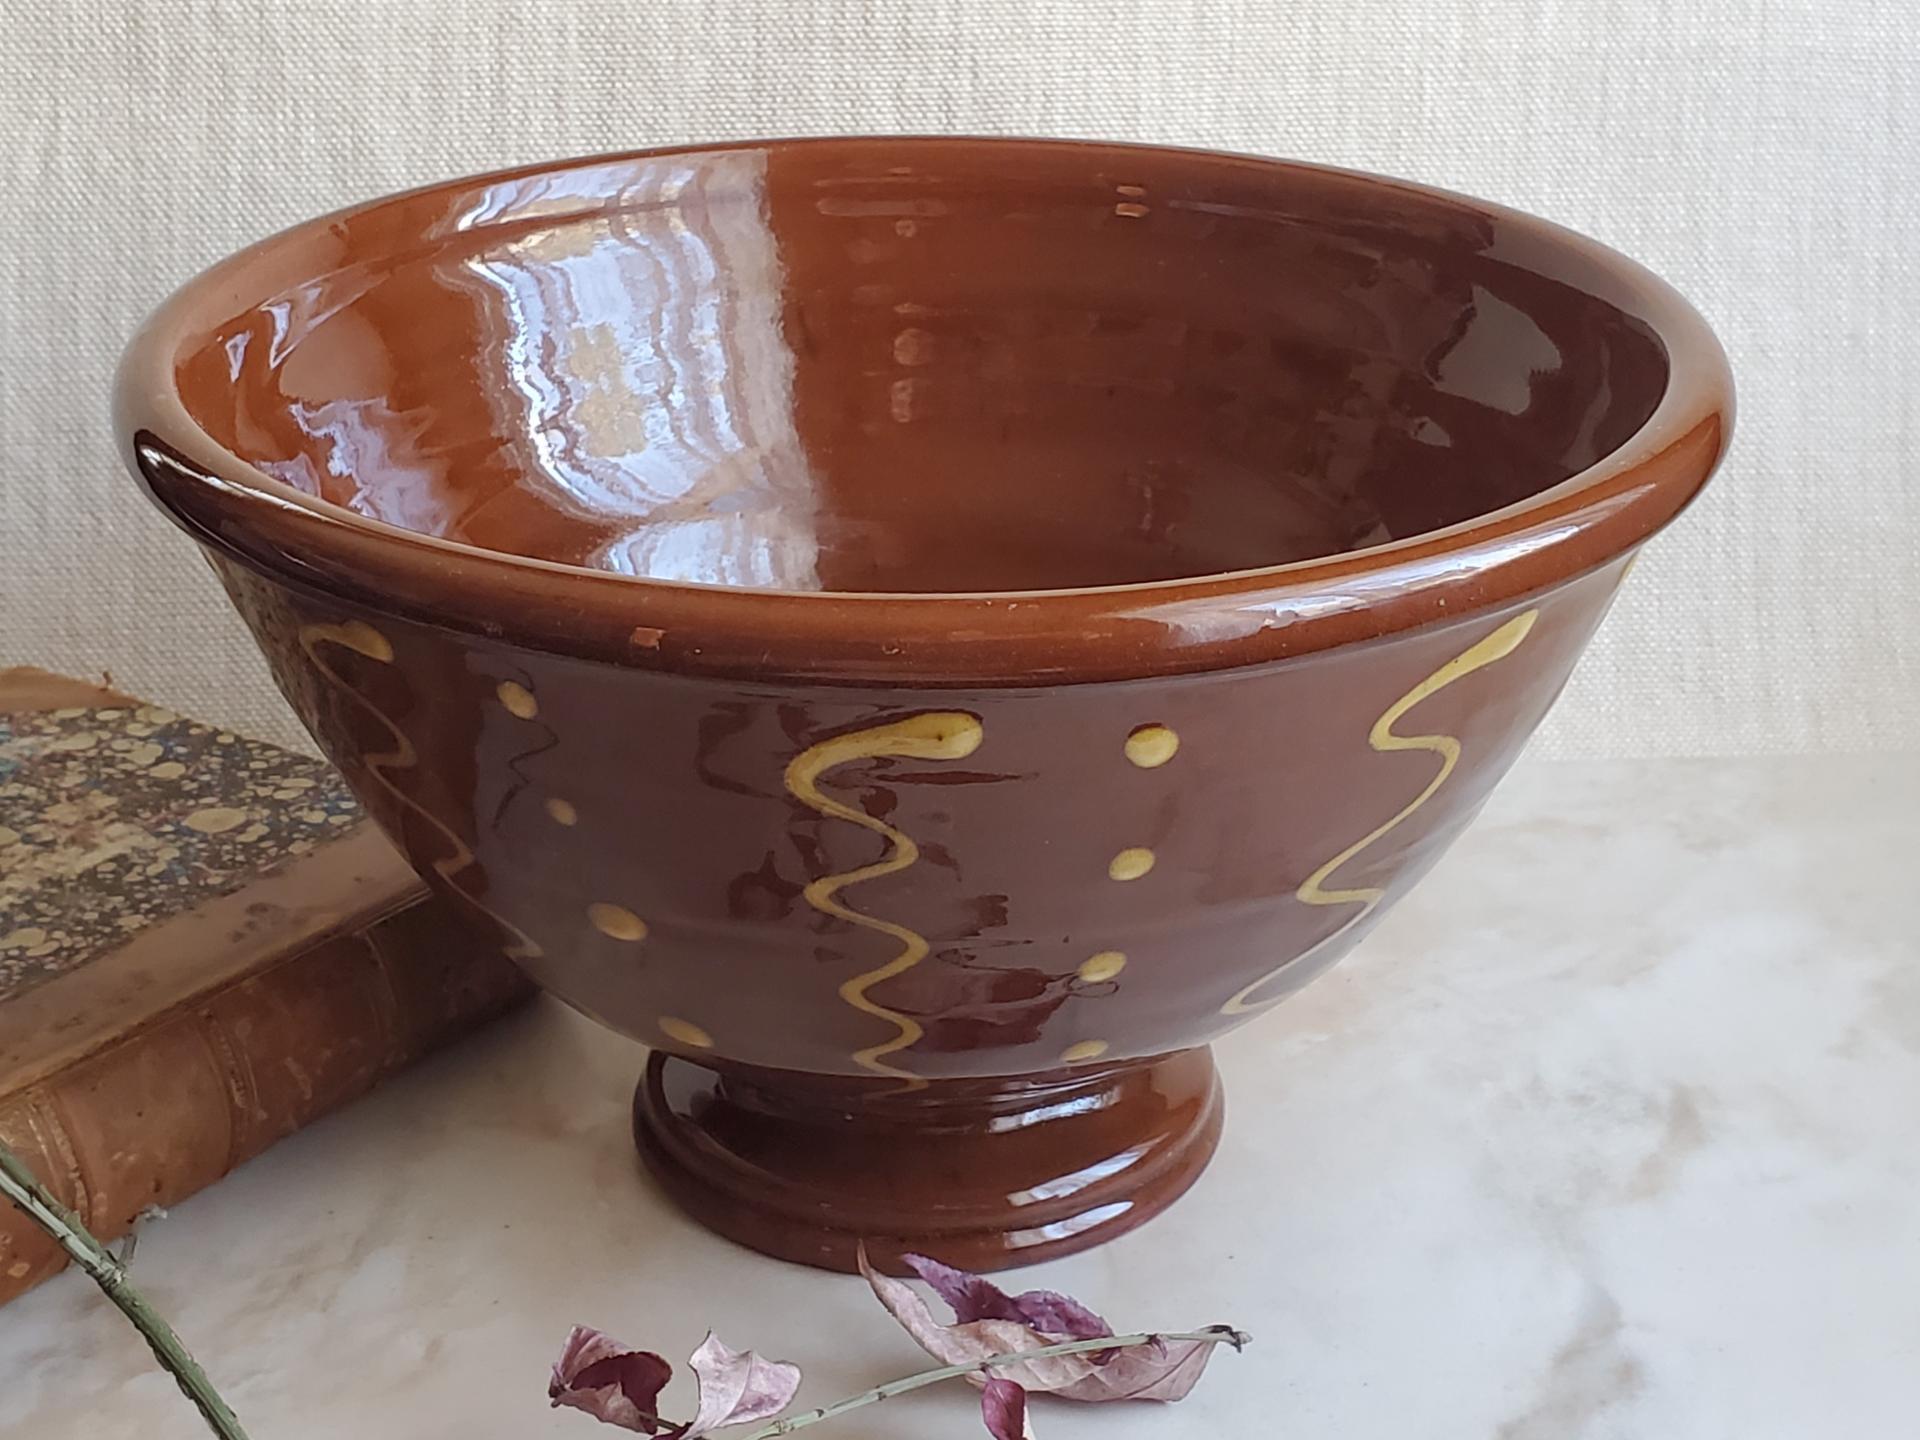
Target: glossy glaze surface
[
  {"x": 957, "y": 883},
  {"x": 947, "y": 852},
  {"x": 979, "y": 1172},
  {"x": 778, "y": 368},
  {"x": 1272, "y": 362}
]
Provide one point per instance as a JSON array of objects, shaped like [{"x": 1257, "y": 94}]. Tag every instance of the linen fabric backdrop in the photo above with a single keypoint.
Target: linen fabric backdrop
[{"x": 1762, "y": 156}]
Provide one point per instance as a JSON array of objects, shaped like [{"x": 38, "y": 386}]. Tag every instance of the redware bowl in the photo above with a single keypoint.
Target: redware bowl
[{"x": 925, "y": 634}]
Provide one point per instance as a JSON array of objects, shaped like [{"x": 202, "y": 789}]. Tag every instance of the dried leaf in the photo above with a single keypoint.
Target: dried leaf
[
  {"x": 1158, "y": 1370},
  {"x": 974, "y": 1297},
  {"x": 599, "y": 1375},
  {"x": 737, "y": 1386},
  {"x": 1003, "y": 1405},
  {"x": 977, "y": 1340}
]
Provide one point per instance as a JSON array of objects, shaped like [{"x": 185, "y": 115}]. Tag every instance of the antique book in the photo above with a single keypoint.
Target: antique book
[{"x": 203, "y": 946}]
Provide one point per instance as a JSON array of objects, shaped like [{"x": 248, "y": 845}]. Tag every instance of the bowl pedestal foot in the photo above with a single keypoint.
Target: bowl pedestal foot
[{"x": 979, "y": 1173}]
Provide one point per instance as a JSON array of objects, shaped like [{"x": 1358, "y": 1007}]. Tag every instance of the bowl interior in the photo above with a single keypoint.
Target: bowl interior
[{"x": 917, "y": 366}]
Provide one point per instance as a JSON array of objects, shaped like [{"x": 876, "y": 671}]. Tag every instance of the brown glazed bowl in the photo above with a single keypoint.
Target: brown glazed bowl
[{"x": 924, "y": 633}]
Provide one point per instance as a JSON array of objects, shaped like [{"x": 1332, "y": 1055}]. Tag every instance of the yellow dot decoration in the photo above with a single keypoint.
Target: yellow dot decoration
[
  {"x": 1082, "y": 1051},
  {"x": 518, "y": 699},
  {"x": 686, "y": 1032},
  {"x": 616, "y": 921},
  {"x": 1104, "y": 966},
  {"x": 1151, "y": 746},
  {"x": 1131, "y": 863},
  {"x": 562, "y": 812}
]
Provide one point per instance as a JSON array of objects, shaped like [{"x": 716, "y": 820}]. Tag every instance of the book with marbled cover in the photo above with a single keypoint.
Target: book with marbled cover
[{"x": 203, "y": 946}]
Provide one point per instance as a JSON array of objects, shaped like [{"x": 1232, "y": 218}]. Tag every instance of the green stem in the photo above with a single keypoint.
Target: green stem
[
  {"x": 18, "y": 1184},
  {"x": 1218, "y": 1335}
]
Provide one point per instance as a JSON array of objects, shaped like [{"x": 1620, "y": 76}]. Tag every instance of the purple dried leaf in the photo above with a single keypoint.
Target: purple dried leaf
[
  {"x": 1003, "y": 1405},
  {"x": 974, "y": 1297},
  {"x": 977, "y": 1340},
  {"x": 599, "y": 1375},
  {"x": 737, "y": 1386},
  {"x": 1163, "y": 1370}
]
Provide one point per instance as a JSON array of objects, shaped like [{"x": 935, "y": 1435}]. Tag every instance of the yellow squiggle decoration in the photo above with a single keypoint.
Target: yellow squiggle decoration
[
  {"x": 1497, "y": 646},
  {"x": 363, "y": 639},
  {"x": 934, "y": 735}
]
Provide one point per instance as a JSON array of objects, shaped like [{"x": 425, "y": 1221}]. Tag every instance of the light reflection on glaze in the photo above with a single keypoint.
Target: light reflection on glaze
[
  {"x": 646, "y": 370},
  {"x": 1017, "y": 1240},
  {"x": 1065, "y": 1185}
]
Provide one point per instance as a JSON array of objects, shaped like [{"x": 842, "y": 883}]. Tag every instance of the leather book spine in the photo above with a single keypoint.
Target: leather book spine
[{"x": 169, "y": 1108}]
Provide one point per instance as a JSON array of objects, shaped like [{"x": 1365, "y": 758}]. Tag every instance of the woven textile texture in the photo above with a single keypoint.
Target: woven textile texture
[{"x": 1759, "y": 153}]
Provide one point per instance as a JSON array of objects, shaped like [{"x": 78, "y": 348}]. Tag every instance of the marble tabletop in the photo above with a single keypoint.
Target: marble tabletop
[{"x": 1612, "y": 1129}]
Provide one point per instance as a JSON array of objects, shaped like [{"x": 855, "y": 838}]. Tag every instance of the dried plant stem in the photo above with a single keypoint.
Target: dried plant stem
[
  {"x": 18, "y": 1184},
  {"x": 1218, "y": 1335}
]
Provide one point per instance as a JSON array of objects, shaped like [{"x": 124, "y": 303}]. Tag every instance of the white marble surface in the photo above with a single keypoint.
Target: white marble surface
[{"x": 1612, "y": 1130}]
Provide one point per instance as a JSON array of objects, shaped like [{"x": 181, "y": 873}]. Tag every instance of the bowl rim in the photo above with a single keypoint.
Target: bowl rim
[{"x": 938, "y": 639}]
